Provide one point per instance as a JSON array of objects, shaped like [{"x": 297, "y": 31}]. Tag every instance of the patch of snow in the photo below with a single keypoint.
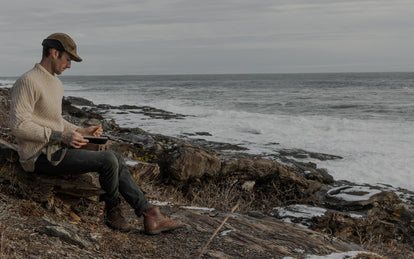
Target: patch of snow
[
  {"x": 131, "y": 162},
  {"x": 287, "y": 220},
  {"x": 298, "y": 250},
  {"x": 349, "y": 254},
  {"x": 161, "y": 203},
  {"x": 197, "y": 208},
  {"x": 224, "y": 233},
  {"x": 353, "y": 193},
  {"x": 406, "y": 197},
  {"x": 355, "y": 216},
  {"x": 300, "y": 211},
  {"x": 94, "y": 236}
]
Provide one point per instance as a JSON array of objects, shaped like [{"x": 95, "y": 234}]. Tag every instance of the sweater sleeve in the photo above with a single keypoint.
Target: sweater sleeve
[
  {"x": 23, "y": 99},
  {"x": 69, "y": 126}
]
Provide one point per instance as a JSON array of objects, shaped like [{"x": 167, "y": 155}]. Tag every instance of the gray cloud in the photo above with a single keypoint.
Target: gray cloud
[{"x": 237, "y": 36}]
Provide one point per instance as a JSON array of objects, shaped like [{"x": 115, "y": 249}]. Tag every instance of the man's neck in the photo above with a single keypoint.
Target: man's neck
[{"x": 47, "y": 65}]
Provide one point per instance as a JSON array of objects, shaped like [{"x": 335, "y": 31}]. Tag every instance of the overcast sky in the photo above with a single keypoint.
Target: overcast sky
[{"x": 213, "y": 36}]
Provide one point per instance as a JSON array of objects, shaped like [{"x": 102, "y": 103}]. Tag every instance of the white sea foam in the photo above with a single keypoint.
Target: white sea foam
[{"x": 6, "y": 83}]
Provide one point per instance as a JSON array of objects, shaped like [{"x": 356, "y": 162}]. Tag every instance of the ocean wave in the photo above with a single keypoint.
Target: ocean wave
[{"x": 7, "y": 83}]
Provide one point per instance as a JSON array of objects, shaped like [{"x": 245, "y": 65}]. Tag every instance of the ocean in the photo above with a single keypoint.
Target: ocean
[{"x": 366, "y": 118}]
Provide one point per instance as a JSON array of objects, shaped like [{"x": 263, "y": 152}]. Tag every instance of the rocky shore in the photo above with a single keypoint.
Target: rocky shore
[{"x": 284, "y": 208}]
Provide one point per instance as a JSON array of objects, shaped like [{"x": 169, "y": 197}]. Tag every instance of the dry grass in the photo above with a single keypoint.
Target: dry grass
[
  {"x": 370, "y": 233},
  {"x": 367, "y": 256},
  {"x": 224, "y": 193}
]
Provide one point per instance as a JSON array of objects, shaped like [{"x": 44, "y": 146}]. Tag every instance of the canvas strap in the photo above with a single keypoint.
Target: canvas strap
[{"x": 50, "y": 150}]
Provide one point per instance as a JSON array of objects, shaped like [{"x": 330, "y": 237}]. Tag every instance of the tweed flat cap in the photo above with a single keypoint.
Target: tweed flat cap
[{"x": 62, "y": 41}]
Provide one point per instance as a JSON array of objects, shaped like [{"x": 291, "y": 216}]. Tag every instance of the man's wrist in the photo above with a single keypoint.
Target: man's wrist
[
  {"x": 55, "y": 137},
  {"x": 67, "y": 137}
]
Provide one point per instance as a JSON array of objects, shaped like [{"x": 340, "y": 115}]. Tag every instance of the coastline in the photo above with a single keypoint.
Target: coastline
[{"x": 271, "y": 192}]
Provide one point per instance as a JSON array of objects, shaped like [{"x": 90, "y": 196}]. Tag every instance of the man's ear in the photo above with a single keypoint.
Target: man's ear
[{"x": 54, "y": 53}]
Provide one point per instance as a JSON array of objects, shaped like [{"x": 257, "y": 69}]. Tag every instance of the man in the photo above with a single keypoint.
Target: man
[{"x": 48, "y": 144}]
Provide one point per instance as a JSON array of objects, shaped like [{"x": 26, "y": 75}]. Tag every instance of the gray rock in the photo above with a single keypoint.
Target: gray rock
[
  {"x": 353, "y": 197},
  {"x": 65, "y": 233},
  {"x": 79, "y": 101},
  {"x": 303, "y": 154},
  {"x": 191, "y": 162}
]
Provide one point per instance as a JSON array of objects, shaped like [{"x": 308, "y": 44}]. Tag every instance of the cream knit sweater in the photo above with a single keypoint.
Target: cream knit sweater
[{"x": 36, "y": 112}]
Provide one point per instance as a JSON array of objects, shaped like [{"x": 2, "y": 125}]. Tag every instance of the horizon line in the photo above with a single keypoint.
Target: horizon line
[{"x": 205, "y": 74}]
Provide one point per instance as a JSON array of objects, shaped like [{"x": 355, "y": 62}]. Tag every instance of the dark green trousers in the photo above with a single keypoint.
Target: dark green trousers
[{"x": 114, "y": 175}]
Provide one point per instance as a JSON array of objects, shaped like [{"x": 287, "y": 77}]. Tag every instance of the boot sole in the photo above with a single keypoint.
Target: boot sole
[
  {"x": 156, "y": 232},
  {"x": 120, "y": 230}
]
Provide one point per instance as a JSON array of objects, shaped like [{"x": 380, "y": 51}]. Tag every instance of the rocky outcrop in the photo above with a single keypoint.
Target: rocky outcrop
[
  {"x": 185, "y": 161},
  {"x": 367, "y": 215},
  {"x": 42, "y": 187}
]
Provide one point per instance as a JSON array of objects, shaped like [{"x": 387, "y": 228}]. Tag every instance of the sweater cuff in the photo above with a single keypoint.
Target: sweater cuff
[{"x": 55, "y": 137}]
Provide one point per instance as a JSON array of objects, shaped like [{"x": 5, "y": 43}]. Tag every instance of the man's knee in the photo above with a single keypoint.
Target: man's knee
[{"x": 109, "y": 160}]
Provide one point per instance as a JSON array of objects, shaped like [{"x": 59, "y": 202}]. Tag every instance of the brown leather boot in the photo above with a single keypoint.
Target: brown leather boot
[
  {"x": 115, "y": 219},
  {"x": 155, "y": 222}
]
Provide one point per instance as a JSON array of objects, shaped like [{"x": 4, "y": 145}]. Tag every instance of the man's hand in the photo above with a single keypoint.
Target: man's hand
[
  {"x": 73, "y": 139},
  {"x": 91, "y": 131}
]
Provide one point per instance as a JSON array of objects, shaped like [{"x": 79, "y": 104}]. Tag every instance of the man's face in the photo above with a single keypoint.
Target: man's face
[{"x": 59, "y": 64}]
